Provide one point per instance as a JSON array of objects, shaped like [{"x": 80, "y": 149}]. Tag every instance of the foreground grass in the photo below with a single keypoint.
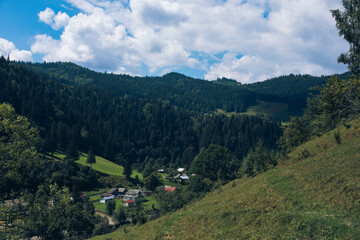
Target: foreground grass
[{"x": 309, "y": 196}]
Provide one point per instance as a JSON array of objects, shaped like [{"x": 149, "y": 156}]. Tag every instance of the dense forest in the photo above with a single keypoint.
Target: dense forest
[
  {"x": 137, "y": 128},
  {"x": 189, "y": 93},
  {"x": 180, "y": 90}
]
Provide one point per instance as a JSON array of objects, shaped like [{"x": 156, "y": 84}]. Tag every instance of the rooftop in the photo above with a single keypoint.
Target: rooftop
[{"x": 170, "y": 189}]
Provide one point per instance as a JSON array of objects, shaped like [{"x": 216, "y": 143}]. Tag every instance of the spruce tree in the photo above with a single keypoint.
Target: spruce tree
[
  {"x": 71, "y": 151},
  {"x": 127, "y": 170},
  {"x": 91, "y": 157}
]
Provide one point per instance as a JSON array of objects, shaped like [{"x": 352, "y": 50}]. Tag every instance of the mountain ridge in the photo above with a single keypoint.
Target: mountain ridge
[{"x": 191, "y": 93}]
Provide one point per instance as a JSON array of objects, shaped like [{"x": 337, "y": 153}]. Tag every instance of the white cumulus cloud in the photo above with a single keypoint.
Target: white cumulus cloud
[
  {"x": 8, "y": 48},
  {"x": 273, "y": 37},
  {"x": 57, "y": 21}
]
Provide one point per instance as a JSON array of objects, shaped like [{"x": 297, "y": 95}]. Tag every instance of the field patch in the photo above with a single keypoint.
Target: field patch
[{"x": 102, "y": 165}]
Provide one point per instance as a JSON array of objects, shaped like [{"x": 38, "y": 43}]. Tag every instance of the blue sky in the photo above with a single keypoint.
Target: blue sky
[
  {"x": 245, "y": 40},
  {"x": 19, "y": 21}
]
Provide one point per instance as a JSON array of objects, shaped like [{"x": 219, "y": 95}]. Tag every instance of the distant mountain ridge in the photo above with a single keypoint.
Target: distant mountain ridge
[
  {"x": 190, "y": 93},
  {"x": 180, "y": 90}
]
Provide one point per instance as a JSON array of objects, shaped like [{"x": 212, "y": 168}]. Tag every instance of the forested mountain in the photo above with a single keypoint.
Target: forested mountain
[
  {"x": 137, "y": 128},
  {"x": 180, "y": 90},
  {"x": 189, "y": 93},
  {"x": 291, "y": 89}
]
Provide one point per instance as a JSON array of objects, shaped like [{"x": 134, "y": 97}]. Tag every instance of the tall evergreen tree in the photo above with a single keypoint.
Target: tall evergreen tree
[
  {"x": 127, "y": 170},
  {"x": 91, "y": 157},
  {"x": 71, "y": 151}
]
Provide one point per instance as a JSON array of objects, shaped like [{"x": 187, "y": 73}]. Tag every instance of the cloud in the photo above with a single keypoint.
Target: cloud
[
  {"x": 8, "y": 48},
  {"x": 273, "y": 37},
  {"x": 245, "y": 68},
  {"x": 46, "y": 16},
  {"x": 54, "y": 21},
  {"x": 163, "y": 13}
]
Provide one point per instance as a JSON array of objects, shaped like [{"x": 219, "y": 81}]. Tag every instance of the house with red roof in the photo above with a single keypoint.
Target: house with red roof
[
  {"x": 170, "y": 189},
  {"x": 129, "y": 203}
]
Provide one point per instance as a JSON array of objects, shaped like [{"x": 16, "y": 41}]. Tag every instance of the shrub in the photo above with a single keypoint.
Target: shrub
[{"x": 337, "y": 136}]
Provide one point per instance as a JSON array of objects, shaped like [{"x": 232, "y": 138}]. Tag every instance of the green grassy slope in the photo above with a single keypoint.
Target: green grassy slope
[
  {"x": 102, "y": 165},
  {"x": 274, "y": 110},
  {"x": 305, "y": 197}
]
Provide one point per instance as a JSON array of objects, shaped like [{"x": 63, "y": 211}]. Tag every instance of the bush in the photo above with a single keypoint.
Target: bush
[
  {"x": 110, "y": 207},
  {"x": 337, "y": 136},
  {"x": 303, "y": 154}
]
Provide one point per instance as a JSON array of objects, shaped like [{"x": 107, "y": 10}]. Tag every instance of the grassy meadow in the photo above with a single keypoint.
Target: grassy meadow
[
  {"x": 315, "y": 194},
  {"x": 102, "y": 165},
  {"x": 275, "y": 110}
]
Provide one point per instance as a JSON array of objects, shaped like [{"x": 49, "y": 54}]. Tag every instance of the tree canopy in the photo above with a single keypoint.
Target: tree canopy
[
  {"x": 347, "y": 22},
  {"x": 216, "y": 163},
  {"x": 17, "y": 150}
]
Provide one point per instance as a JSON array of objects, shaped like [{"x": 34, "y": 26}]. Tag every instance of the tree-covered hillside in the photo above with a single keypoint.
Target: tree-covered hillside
[
  {"x": 291, "y": 89},
  {"x": 179, "y": 90},
  {"x": 138, "y": 129},
  {"x": 189, "y": 93}
]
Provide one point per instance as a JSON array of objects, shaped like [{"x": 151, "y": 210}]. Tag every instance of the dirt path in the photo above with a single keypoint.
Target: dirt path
[{"x": 110, "y": 219}]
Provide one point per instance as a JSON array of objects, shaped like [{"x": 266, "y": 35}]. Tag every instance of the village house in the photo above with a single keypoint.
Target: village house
[
  {"x": 177, "y": 176},
  {"x": 129, "y": 203},
  {"x": 181, "y": 169},
  {"x": 181, "y": 178},
  {"x": 184, "y": 178},
  {"x": 170, "y": 189},
  {"x": 121, "y": 191},
  {"x": 113, "y": 191},
  {"x": 105, "y": 195},
  {"x": 105, "y": 199},
  {"x": 133, "y": 194},
  {"x": 15, "y": 203}
]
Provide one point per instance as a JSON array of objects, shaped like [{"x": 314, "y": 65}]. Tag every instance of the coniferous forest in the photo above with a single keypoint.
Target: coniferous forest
[
  {"x": 135, "y": 127},
  {"x": 189, "y": 93}
]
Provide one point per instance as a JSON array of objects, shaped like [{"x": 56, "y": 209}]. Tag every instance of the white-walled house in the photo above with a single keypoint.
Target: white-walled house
[{"x": 104, "y": 199}]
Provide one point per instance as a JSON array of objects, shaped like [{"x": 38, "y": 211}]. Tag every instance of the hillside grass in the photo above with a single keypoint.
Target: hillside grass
[
  {"x": 315, "y": 194},
  {"x": 102, "y": 165},
  {"x": 274, "y": 110},
  {"x": 268, "y": 108}
]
